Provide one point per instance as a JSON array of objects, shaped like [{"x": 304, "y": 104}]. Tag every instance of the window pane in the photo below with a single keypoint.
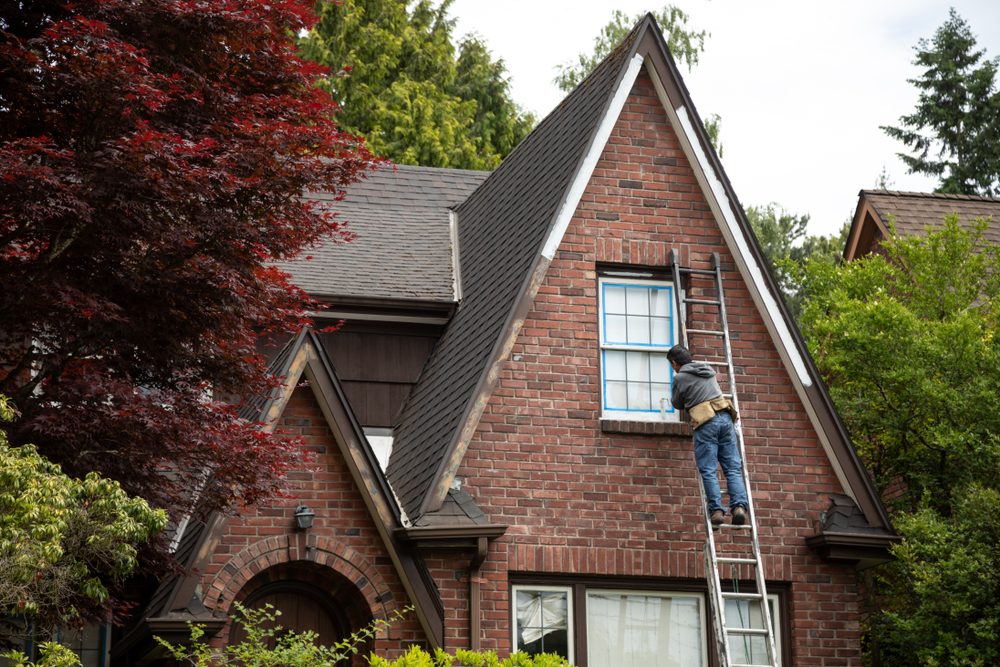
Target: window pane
[
  {"x": 659, "y": 368},
  {"x": 746, "y": 614},
  {"x": 543, "y": 622},
  {"x": 614, "y": 365},
  {"x": 614, "y": 299},
  {"x": 637, "y": 300},
  {"x": 614, "y": 329},
  {"x": 638, "y": 396},
  {"x": 659, "y": 391},
  {"x": 638, "y": 330},
  {"x": 643, "y": 631},
  {"x": 616, "y": 395},
  {"x": 637, "y": 365},
  {"x": 659, "y": 302},
  {"x": 661, "y": 330}
]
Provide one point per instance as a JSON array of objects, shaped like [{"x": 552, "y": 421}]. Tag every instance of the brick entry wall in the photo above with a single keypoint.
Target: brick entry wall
[
  {"x": 342, "y": 554},
  {"x": 582, "y": 501}
]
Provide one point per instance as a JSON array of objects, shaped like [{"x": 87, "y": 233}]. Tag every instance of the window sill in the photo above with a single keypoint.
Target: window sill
[{"x": 646, "y": 428}]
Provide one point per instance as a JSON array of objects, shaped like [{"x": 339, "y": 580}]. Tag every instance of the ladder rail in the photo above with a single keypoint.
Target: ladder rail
[
  {"x": 713, "y": 561},
  {"x": 765, "y": 610}
]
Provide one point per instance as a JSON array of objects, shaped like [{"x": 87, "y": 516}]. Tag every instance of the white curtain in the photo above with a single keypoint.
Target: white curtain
[
  {"x": 540, "y": 613},
  {"x": 643, "y": 631}
]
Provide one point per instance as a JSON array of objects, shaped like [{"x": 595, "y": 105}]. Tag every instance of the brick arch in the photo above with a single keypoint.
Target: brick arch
[{"x": 327, "y": 559}]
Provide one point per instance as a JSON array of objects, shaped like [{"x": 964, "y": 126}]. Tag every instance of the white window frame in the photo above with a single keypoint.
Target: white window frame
[
  {"x": 702, "y": 613},
  {"x": 570, "y": 633},
  {"x": 667, "y": 413}
]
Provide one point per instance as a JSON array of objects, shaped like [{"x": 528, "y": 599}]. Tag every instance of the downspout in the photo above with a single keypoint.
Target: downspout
[{"x": 475, "y": 593}]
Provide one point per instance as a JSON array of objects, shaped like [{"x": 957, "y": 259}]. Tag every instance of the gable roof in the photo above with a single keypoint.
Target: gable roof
[
  {"x": 400, "y": 217},
  {"x": 509, "y": 230},
  {"x": 913, "y": 212},
  {"x": 303, "y": 358},
  {"x": 501, "y": 229}
]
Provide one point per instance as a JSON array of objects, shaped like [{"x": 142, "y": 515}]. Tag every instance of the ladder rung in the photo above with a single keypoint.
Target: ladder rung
[
  {"x": 704, "y": 272},
  {"x": 716, "y": 363},
  {"x": 743, "y": 664},
  {"x": 701, "y": 301},
  {"x": 747, "y": 631},
  {"x": 707, "y": 332},
  {"x": 735, "y": 561},
  {"x": 741, "y": 596},
  {"x": 745, "y": 526}
]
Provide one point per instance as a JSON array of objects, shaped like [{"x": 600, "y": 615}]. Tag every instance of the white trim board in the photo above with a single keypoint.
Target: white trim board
[{"x": 715, "y": 194}]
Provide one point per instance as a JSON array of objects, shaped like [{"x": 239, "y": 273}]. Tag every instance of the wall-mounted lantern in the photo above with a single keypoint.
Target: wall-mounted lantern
[{"x": 304, "y": 517}]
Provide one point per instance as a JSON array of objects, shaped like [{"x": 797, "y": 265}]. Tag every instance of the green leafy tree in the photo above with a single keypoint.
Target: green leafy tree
[
  {"x": 907, "y": 344},
  {"x": 400, "y": 86},
  {"x": 782, "y": 237},
  {"x": 946, "y": 609},
  {"x": 63, "y": 541},
  {"x": 685, "y": 46},
  {"x": 954, "y": 132}
]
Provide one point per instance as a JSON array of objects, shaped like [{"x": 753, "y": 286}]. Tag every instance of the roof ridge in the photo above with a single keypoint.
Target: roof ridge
[{"x": 930, "y": 195}]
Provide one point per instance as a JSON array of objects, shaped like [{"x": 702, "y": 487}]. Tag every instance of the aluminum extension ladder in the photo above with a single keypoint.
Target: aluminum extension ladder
[{"x": 733, "y": 552}]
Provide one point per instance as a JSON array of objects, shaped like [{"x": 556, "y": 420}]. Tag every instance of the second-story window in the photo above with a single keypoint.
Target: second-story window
[{"x": 637, "y": 329}]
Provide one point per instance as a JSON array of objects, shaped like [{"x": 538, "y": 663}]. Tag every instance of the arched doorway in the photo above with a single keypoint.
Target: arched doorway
[{"x": 303, "y": 608}]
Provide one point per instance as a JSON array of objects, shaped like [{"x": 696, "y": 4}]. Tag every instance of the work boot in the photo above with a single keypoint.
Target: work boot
[
  {"x": 718, "y": 516},
  {"x": 739, "y": 516}
]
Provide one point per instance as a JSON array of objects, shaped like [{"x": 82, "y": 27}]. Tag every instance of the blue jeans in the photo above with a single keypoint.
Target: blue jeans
[{"x": 714, "y": 444}]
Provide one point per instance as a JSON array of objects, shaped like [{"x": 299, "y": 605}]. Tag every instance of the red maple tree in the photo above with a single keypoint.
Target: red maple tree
[{"x": 153, "y": 158}]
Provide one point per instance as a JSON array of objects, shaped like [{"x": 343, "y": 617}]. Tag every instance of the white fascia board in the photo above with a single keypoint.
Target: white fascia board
[
  {"x": 569, "y": 205},
  {"x": 723, "y": 211},
  {"x": 456, "y": 270}
]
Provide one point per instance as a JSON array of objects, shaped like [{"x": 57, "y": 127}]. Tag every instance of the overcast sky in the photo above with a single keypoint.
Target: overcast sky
[{"x": 802, "y": 87}]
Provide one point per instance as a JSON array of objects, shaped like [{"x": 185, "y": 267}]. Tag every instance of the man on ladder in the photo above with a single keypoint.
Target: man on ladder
[{"x": 713, "y": 418}]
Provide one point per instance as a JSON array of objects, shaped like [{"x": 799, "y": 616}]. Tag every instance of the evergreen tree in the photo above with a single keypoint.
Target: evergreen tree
[
  {"x": 958, "y": 115},
  {"x": 399, "y": 84}
]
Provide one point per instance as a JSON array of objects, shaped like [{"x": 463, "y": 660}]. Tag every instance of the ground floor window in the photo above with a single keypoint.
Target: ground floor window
[
  {"x": 89, "y": 643},
  {"x": 543, "y": 620},
  {"x": 644, "y": 629},
  {"x": 752, "y": 650},
  {"x": 594, "y": 624}
]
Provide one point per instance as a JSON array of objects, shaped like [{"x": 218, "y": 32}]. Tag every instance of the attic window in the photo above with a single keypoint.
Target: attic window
[{"x": 637, "y": 328}]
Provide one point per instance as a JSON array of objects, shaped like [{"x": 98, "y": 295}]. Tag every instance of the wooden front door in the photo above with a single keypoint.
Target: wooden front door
[{"x": 303, "y": 608}]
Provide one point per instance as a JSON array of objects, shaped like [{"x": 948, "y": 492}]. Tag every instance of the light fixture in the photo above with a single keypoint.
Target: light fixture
[{"x": 304, "y": 517}]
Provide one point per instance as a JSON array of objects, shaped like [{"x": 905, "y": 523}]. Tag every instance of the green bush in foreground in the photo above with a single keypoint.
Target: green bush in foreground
[{"x": 418, "y": 657}]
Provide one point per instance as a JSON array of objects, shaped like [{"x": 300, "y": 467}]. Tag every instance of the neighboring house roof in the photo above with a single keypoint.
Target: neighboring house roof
[
  {"x": 913, "y": 212},
  {"x": 400, "y": 217},
  {"x": 509, "y": 230}
]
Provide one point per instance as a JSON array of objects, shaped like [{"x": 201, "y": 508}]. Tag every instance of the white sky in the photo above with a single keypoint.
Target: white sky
[{"x": 802, "y": 87}]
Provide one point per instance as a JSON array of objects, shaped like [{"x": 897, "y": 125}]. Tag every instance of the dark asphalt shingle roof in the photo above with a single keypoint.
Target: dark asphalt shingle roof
[
  {"x": 502, "y": 226},
  {"x": 403, "y": 244},
  {"x": 915, "y": 211}
]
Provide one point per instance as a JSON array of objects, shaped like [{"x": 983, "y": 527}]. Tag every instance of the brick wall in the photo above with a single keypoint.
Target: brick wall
[
  {"x": 581, "y": 501},
  {"x": 342, "y": 554}
]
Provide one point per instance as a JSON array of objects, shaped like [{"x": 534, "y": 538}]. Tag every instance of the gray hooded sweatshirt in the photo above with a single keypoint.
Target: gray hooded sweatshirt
[{"x": 694, "y": 383}]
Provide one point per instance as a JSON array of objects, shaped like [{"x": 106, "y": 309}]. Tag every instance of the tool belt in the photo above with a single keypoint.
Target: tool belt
[{"x": 702, "y": 412}]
